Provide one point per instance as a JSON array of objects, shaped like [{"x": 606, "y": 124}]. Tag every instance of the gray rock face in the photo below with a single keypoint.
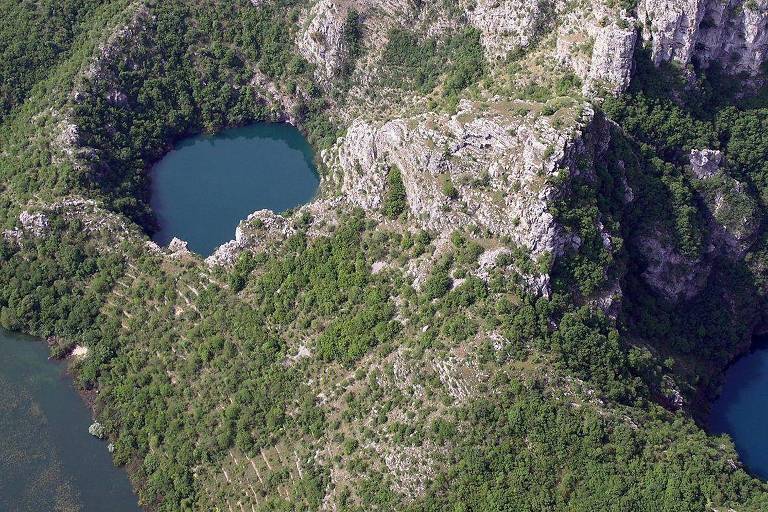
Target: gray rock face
[
  {"x": 594, "y": 40},
  {"x": 598, "y": 44},
  {"x": 705, "y": 163},
  {"x": 509, "y": 24},
  {"x": 97, "y": 430},
  {"x": 284, "y": 105},
  {"x": 612, "y": 60},
  {"x": 732, "y": 224},
  {"x": 178, "y": 246},
  {"x": 731, "y": 32},
  {"x": 670, "y": 274},
  {"x": 321, "y": 37},
  {"x": 733, "y": 215},
  {"x": 321, "y": 43},
  {"x": 110, "y": 51},
  {"x": 34, "y": 223},
  {"x": 504, "y": 165},
  {"x": 260, "y": 227}
]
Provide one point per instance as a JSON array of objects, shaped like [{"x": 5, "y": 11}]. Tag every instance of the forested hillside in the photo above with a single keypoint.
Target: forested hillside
[
  {"x": 36, "y": 37},
  {"x": 517, "y": 289}
]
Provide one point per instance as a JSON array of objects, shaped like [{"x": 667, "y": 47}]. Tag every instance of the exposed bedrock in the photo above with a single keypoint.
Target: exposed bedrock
[{"x": 730, "y": 32}]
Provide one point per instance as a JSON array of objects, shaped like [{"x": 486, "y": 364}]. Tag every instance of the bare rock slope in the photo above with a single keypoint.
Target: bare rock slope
[{"x": 730, "y": 32}]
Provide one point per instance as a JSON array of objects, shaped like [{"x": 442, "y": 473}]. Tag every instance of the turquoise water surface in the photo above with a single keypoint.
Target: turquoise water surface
[
  {"x": 742, "y": 410},
  {"x": 206, "y": 185},
  {"x": 48, "y": 461}
]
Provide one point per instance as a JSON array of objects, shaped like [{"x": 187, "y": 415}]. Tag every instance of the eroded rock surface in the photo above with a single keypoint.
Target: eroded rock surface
[
  {"x": 598, "y": 44},
  {"x": 489, "y": 167},
  {"x": 508, "y": 25},
  {"x": 730, "y": 32},
  {"x": 321, "y": 43},
  {"x": 669, "y": 273},
  {"x": 705, "y": 163},
  {"x": 261, "y": 226}
]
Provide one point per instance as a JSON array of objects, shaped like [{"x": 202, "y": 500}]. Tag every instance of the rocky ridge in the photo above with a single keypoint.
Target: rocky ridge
[
  {"x": 501, "y": 160},
  {"x": 97, "y": 221}
]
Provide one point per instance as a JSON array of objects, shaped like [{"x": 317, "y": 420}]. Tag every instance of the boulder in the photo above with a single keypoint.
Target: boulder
[{"x": 97, "y": 430}]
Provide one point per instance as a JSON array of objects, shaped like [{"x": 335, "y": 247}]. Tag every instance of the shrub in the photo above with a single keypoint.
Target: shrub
[{"x": 395, "y": 199}]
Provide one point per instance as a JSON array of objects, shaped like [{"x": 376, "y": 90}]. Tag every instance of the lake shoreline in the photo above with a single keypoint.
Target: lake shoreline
[
  {"x": 89, "y": 397},
  {"x": 55, "y": 421},
  {"x": 710, "y": 387},
  {"x": 205, "y": 185},
  {"x": 740, "y": 403}
]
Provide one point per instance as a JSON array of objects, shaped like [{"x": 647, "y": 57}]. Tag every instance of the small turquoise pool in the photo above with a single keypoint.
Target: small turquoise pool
[
  {"x": 207, "y": 184},
  {"x": 742, "y": 409}
]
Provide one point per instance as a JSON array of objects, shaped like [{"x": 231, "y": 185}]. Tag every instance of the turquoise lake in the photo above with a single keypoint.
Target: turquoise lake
[
  {"x": 742, "y": 410},
  {"x": 48, "y": 461},
  {"x": 207, "y": 184}
]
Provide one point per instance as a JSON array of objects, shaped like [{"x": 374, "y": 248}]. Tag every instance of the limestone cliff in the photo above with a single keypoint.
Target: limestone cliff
[
  {"x": 502, "y": 160},
  {"x": 591, "y": 39},
  {"x": 730, "y": 32}
]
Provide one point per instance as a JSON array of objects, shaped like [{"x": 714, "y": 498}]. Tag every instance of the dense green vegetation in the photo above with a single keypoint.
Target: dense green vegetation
[
  {"x": 233, "y": 346},
  {"x": 223, "y": 339},
  {"x": 352, "y": 37},
  {"x": 36, "y": 36},
  {"x": 46, "y": 292},
  {"x": 521, "y": 451},
  {"x": 300, "y": 372},
  {"x": 415, "y": 62},
  {"x": 395, "y": 200}
]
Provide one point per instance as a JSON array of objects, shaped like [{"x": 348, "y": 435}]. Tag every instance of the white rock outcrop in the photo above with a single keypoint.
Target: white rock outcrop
[
  {"x": 507, "y": 25},
  {"x": 503, "y": 164},
  {"x": 80, "y": 352},
  {"x": 98, "y": 222},
  {"x": 598, "y": 44},
  {"x": 177, "y": 247},
  {"x": 321, "y": 43},
  {"x": 35, "y": 224},
  {"x": 705, "y": 163},
  {"x": 97, "y": 430},
  {"x": 611, "y": 62},
  {"x": 732, "y": 32},
  {"x": 260, "y": 227}
]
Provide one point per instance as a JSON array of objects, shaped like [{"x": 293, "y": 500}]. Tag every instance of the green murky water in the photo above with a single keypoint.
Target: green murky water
[{"x": 48, "y": 461}]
